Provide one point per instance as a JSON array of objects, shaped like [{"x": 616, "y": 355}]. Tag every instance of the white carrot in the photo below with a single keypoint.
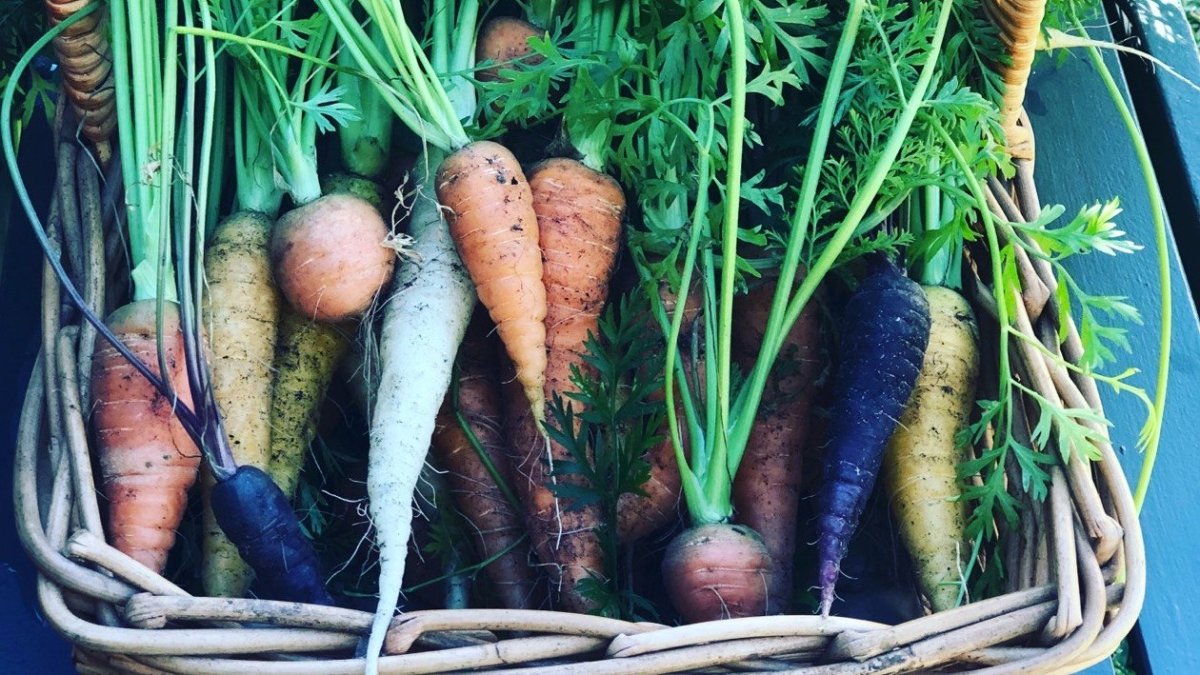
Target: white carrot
[{"x": 424, "y": 321}]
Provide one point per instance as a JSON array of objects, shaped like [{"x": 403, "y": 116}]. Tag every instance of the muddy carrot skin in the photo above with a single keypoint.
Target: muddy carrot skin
[
  {"x": 639, "y": 516},
  {"x": 495, "y": 229},
  {"x": 243, "y": 317},
  {"x": 147, "y": 461},
  {"x": 495, "y": 523},
  {"x": 579, "y": 215},
  {"x": 504, "y": 40},
  {"x": 766, "y": 491}
]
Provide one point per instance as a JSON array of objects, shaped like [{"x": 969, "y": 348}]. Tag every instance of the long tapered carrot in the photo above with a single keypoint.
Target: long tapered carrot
[
  {"x": 495, "y": 228},
  {"x": 496, "y": 523},
  {"x": 579, "y": 215},
  {"x": 147, "y": 461},
  {"x": 766, "y": 491},
  {"x": 243, "y": 313}
]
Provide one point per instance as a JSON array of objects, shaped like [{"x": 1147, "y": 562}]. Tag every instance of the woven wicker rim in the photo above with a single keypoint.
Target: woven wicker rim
[{"x": 1084, "y": 562}]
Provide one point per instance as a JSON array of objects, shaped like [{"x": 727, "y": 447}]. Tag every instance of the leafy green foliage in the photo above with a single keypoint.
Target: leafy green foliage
[
  {"x": 879, "y": 79},
  {"x": 608, "y": 425},
  {"x": 301, "y": 98},
  {"x": 21, "y": 23}
]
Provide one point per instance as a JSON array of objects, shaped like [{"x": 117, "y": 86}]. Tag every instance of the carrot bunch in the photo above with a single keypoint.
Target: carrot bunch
[{"x": 477, "y": 285}]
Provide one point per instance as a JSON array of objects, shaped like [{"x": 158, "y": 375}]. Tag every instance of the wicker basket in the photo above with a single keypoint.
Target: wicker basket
[{"x": 1077, "y": 577}]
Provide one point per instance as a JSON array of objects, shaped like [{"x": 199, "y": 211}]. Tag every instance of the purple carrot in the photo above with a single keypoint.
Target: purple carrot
[{"x": 884, "y": 333}]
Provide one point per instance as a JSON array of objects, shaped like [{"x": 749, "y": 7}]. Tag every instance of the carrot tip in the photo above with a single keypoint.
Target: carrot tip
[{"x": 828, "y": 578}]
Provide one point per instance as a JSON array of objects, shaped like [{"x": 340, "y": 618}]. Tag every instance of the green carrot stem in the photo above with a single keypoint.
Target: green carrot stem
[
  {"x": 1153, "y": 434},
  {"x": 695, "y": 495},
  {"x": 407, "y": 81},
  {"x": 254, "y": 165},
  {"x": 719, "y": 488},
  {"x": 773, "y": 339}
]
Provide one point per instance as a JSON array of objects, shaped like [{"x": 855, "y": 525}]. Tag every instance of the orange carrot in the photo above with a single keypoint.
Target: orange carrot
[
  {"x": 503, "y": 40},
  {"x": 495, "y": 229},
  {"x": 579, "y": 215},
  {"x": 147, "y": 461},
  {"x": 329, "y": 257},
  {"x": 766, "y": 491},
  {"x": 717, "y": 572},
  {"x": 1020, "y": 26},
  {"x": 496, "y": 523},
  {"x": 641, "y": 515}
]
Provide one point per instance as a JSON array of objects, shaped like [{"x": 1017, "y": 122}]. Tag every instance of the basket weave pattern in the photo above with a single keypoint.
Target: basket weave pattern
[{"x": 1076, "y": 584}]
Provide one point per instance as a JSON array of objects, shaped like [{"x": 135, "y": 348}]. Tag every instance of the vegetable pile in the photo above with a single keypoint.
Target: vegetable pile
[{"x": 666, "y": 311}]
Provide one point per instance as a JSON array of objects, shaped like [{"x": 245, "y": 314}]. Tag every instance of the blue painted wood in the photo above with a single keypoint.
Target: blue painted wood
[
  {"x": 1102, "y": 668},
  {"x": 1169, "y": 107},
  {"x": 1084, "y": 155}
]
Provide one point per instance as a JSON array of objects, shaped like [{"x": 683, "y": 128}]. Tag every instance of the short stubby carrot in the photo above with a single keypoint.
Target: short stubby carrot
[
  {"x": 717, "y": 571},
  {"x": 147, "y": 461},
  {"x": 495, "y": 229}
]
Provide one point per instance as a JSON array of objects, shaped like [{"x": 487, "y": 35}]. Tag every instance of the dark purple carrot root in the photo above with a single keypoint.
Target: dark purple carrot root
[
  {"x": 884, "y": 333},
  {"x": 259, "y": 520}
]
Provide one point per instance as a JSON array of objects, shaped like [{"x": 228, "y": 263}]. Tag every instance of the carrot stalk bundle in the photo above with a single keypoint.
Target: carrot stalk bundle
[
  {"x": 147, "y": 461},
  {"x": 885, "y": 330},
  {"x": 496, "y": 522},
  {"x": 766, "y": 491}
]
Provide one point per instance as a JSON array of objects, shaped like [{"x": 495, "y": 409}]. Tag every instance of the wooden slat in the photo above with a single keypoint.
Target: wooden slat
[
  {"x": 1169, "y": 107},
  {"x": 1084, "y": 154}
]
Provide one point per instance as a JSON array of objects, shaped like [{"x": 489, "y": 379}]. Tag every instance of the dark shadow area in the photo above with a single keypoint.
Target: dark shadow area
[{"x": 29, "y": 643}]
